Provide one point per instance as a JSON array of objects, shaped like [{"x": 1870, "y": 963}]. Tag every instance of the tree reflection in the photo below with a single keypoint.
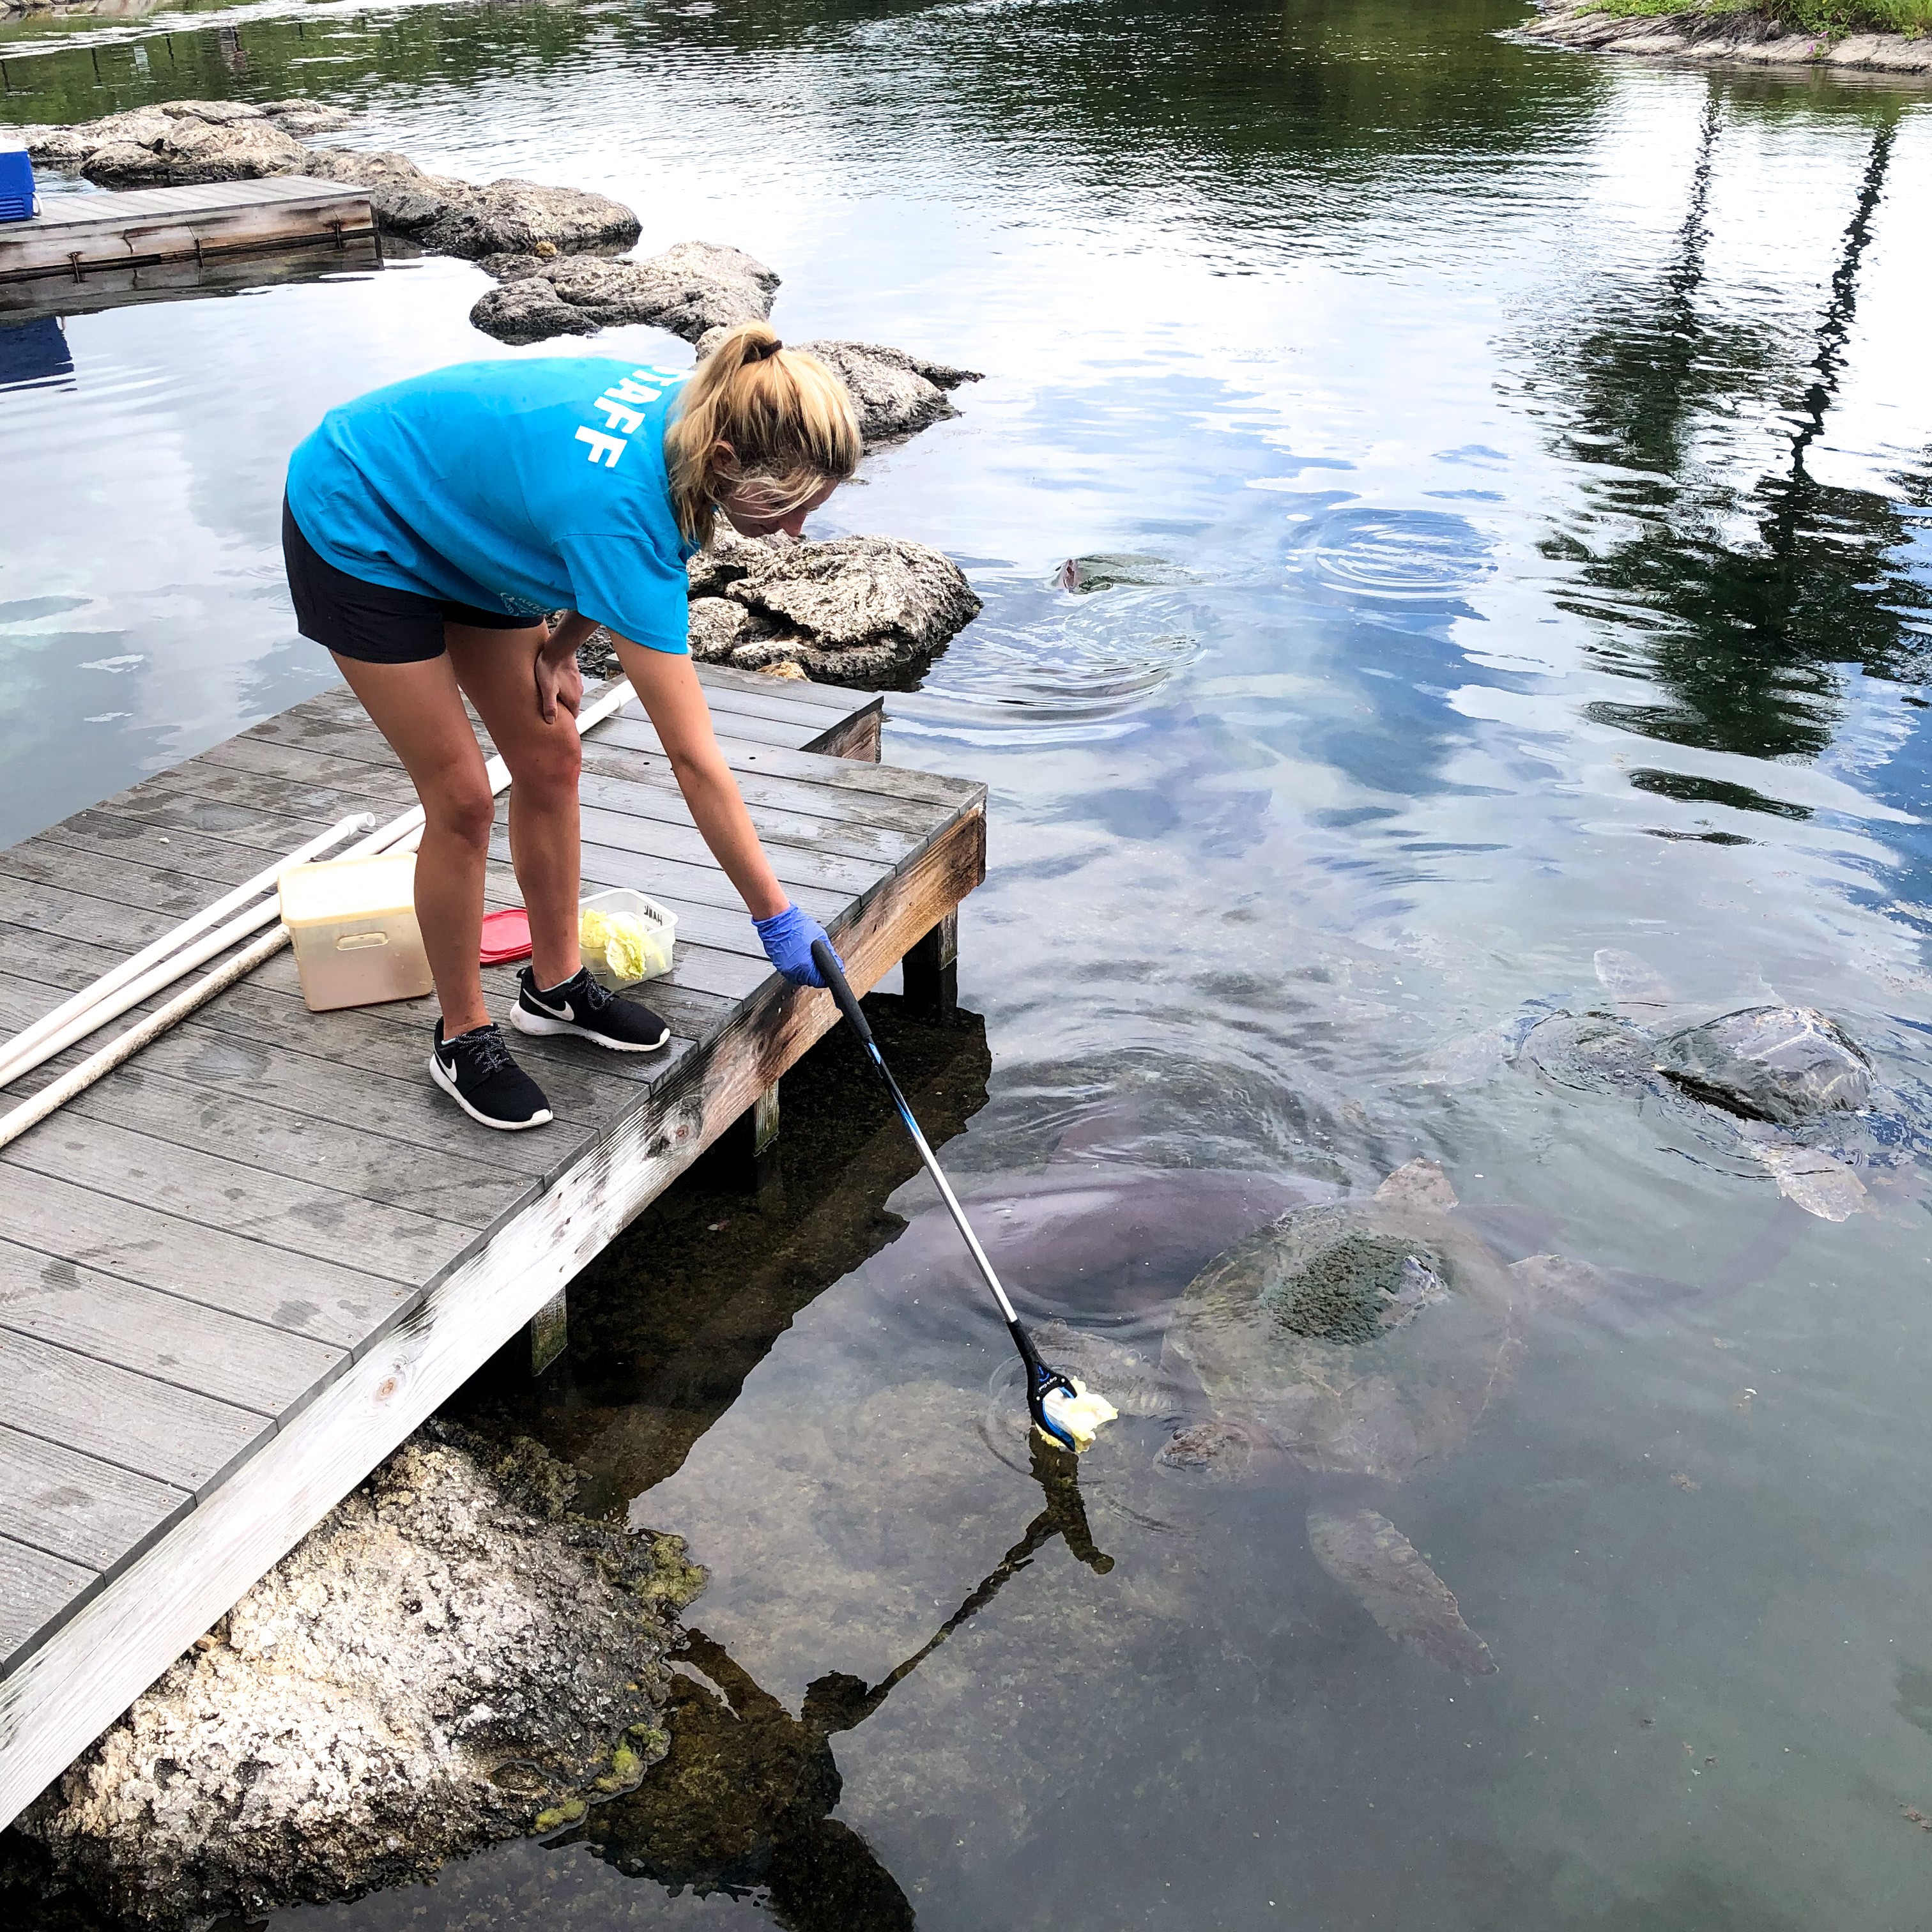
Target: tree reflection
[{"x": 1747, "y": 635}]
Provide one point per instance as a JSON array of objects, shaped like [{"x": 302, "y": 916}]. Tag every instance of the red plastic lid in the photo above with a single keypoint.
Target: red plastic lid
[{"x": 506, "y": 936}]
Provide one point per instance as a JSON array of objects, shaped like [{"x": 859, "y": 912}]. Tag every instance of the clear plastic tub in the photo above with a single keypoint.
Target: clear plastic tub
[
  {"x": 353, "y": 925},
  {"x": 659, "y": 930}
]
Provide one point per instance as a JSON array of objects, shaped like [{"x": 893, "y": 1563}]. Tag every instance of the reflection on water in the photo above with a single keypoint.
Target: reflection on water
[{"x": 1445, "y": 510}]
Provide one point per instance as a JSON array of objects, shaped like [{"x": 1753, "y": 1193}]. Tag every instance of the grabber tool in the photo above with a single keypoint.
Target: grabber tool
[{"x": 1062, "y": 1411}]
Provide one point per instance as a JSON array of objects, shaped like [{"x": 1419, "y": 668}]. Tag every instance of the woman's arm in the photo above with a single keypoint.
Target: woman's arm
[{"x": 672, "y": 695}]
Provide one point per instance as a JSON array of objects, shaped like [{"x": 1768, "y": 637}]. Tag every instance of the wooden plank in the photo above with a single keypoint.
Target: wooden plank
[
  {"x": 164, "y": 1335},
  {"x": 74, "y": 232},
  {"x": 37, "y": 1592},
  {"x": 176, "y": 198},
  {"x": 260, "y": 1038},
  {"x": 154, "y": 842},
  {"x": 697, "y": 892},
  {"x": 841, "y": 775},
  {"x": 79, "y": 1508},
  {"x": 409, "y": 1172},
  {"x": 667, "y": 838},
  {"x": 43, "y": 1219},
  {"x": 122, "y": 881},
  {"x": 153, "y": 1428},
  {"x": 79, "y": 1677},
  {"x": 814, "y": 706},
  {"x": 803, "y": 692},
  {"x": 298, "y": 1217}
]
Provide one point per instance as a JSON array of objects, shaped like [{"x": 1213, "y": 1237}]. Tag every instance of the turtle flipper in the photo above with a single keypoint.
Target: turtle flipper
[
  {"x": 1636, "y": 989},
  {"x": 1385, "y": 1574},
  {"x": 1814, "y": 1180}
]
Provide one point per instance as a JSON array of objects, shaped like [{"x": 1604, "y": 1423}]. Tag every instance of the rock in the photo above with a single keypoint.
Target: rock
[
  {"x": 690, "y": 289},
  {"x": 896, "y": 394},
  {"x": 532, "y": 310},
  {"x": 518, "y": 217},
  {"x": 303, "y": 117},
  {"x": 405, "y": 200},
  {"x": 718, "y": 626},
  {"x": 1726, "y": 34},
  {"x": 174, "y": 143},
  {"x": 859, "y": 610},
  {"x": 449, "y": 1659}
]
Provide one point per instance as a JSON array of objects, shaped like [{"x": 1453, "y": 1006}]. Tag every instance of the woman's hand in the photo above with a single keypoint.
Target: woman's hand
[
  {"x": 560, "y": 682},
  {"x": 787, "y": 937}
]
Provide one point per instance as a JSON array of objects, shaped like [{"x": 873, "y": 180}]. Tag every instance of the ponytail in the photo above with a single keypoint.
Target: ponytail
[{"x": 789, "y": 422}]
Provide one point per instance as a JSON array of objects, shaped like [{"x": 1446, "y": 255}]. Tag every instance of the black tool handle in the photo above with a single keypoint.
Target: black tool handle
[{"x": 826, "y": 962}]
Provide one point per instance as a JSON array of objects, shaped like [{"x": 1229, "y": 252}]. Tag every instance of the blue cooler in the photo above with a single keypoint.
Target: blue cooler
[{"x": 16, "y": 185}]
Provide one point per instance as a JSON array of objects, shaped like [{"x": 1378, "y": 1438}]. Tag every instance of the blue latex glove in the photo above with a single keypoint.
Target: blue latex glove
[{"x": 786, "y": 938}]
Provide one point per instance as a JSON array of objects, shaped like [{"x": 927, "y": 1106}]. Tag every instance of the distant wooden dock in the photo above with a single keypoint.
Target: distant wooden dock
[
  {"x": 239, "y": 1271},
  {"x": 77, "y": 235}
]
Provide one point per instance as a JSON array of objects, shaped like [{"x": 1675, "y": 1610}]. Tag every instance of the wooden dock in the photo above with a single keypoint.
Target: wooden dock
[
  {"x": 236, "y": 1274},
  {"x": 77, "y": 235}
]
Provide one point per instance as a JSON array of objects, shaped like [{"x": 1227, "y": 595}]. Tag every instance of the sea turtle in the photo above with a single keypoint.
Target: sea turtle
[
  {"x": 1788, "y": 1083},
  {"x": 1358, "y": 1339}
]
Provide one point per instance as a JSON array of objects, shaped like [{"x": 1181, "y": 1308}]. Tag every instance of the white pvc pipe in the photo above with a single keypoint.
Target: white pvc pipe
[
  {"x": 60, "y": 1020},
  {"x": 30, "y": 1113},
  {"x": 92, "y": 1011}
]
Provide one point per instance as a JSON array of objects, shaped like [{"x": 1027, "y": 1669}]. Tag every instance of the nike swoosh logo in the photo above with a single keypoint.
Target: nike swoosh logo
[{"x": 562, "y": 1012}]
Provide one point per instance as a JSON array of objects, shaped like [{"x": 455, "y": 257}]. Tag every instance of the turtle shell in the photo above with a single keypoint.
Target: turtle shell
[
  {"x": 1785, "y": 1064},
  {"x": 1360, "y": 1337}
]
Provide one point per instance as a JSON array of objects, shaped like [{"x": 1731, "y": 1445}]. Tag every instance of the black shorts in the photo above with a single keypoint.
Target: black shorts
[{"x": 371, "y": 622}]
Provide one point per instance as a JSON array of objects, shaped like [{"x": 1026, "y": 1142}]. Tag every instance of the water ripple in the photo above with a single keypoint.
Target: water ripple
[
  {"x": 1394, "y": 553},
  {"x": 1071, "y": 682}
]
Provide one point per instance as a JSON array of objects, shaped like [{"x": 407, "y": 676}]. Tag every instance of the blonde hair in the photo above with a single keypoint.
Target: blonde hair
[{"x": 789, "y": 421}]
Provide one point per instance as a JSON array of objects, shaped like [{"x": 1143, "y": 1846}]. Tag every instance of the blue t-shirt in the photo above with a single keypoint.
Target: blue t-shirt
[{"x": 523, "y": 486}]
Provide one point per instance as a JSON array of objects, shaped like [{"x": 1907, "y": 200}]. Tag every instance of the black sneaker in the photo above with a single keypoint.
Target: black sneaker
[
  {"x": 475, "y": 1070},
  {"x": 588, "y": 1008}
]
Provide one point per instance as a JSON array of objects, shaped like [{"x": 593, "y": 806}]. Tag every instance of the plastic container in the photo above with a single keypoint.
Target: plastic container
[
  {"x": 16, "y": 185},
  {"x": 353, "y": 923},
  {"x": 506, "y": 937},
  {"x": 660, "y": 931}
]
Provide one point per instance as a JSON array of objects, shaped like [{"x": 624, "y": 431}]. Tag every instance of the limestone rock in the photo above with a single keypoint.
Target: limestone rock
[
  {"x": 855, "y": 610},
  {"x": 405, "y": 200},
  {"x": 896, "y": 394},
  {"x": 175, "y": 142},
  {"x": 449, "y": 1659},
  {"x": 853, "y": 590},
  {"x": 520, "y": 216},
  {"x": 1726, "y": 34},
  {"x": 689, "y": 288},
  {"x": 302, "y": 118}
]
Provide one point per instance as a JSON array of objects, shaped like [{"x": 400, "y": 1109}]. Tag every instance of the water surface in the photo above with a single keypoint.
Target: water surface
[{"x": 1511, "y": 477}]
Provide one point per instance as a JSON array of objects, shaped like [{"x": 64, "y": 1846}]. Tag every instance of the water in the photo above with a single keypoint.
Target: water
[{"x": 1506, "y": 479}]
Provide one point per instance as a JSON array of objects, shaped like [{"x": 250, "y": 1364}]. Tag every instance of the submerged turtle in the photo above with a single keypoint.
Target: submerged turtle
[
  {"x": 1359, "y": 1338},
  {"x": 1784, "y": 1081}
]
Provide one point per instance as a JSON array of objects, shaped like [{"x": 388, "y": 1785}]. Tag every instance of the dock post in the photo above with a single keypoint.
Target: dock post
[
  {"x": 550, "y": 1332},
  {"x": 931, "y": 971},
  {"x": 747, "y": 1154},
  {"x": 765, "y": 1121}
]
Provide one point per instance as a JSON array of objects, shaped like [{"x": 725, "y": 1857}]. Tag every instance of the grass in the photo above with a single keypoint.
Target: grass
[{"x": 1829, "y": 20}]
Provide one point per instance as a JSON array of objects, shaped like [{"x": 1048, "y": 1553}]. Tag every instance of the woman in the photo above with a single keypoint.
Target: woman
[{"x": 429, "y": 529}]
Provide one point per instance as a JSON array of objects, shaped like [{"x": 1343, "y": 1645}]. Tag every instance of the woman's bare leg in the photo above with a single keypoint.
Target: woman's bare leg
[
  {"x": 418, "y": 708},
  {"x": 497, "y": 671}
]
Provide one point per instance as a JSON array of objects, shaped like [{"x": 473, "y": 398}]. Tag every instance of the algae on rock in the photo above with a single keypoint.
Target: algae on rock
[{"x": 449, "y": 1659}]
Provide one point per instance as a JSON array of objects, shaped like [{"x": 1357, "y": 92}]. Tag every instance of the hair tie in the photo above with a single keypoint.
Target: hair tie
[{"x": 761, "y": 352}]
